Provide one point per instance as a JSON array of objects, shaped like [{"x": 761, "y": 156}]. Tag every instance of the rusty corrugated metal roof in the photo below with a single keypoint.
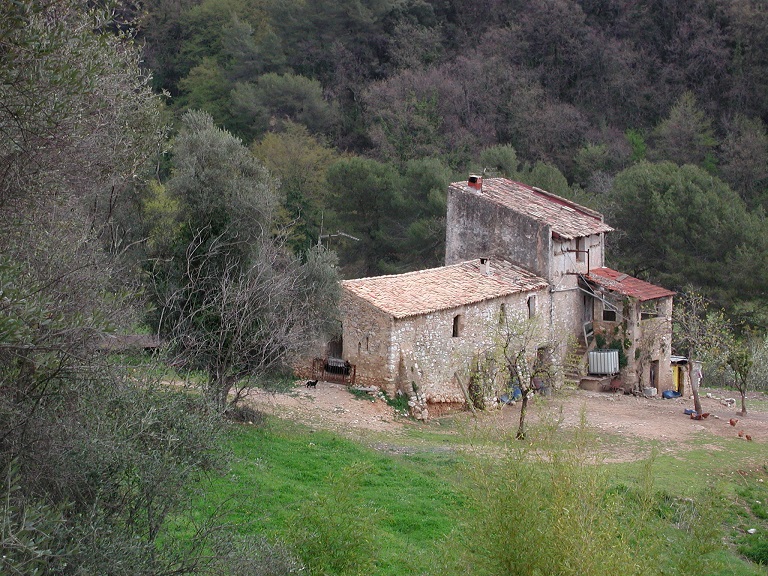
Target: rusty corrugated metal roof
[
  {"x": 627, "y": 285},
  {"x": 424, "y": 291},
  {"x": 567, "y": 219}
]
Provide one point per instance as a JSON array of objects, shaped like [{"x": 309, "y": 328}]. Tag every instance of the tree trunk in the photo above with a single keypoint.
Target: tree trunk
[
  {"x": 693, "y": 377},
  {"x": 743, "y": 401},
  {"x": 521, "y": 426},
  {"x": 217, "y": 392}
]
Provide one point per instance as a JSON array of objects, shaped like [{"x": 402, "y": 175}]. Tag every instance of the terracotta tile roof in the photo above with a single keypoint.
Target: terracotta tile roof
[
  {"x": 627, "y": 285},
  {"x": 424, "y": 291},
  {"x": 567, "y": 219}
]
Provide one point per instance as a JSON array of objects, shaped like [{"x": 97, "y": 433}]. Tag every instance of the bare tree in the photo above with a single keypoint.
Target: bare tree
[
  {"x": 521, "y": 356},
  {"x": 232, "y": 299},
  {"x": 241, "y": 323},
  {"x": 698, "y": 332}
]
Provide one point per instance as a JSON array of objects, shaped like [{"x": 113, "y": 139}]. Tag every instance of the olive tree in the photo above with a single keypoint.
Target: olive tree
[
  {"x": 232, "y": 300},
  {"x": 745, "y": 358},
  {"x": 521, "y": 356}
]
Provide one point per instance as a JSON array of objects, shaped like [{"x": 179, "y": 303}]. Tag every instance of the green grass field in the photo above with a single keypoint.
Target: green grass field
[{"x": 401, "y": 505}]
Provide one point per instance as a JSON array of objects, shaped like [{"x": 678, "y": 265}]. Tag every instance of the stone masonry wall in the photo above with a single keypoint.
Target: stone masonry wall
[
  {"x": 366, "y": 334},
  {"x": 428, "y": 354},
  {"x": 476, "y": 227}
]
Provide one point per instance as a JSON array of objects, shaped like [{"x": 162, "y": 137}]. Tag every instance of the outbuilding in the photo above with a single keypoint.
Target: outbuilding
[{"x": 410, "y": 333}]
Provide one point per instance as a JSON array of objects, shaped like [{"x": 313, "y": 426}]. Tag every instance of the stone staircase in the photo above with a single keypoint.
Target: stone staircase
[{"x": 575, "y": 365}]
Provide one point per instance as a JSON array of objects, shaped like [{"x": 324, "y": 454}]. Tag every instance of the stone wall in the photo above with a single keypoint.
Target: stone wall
[
  {"x": 366, "y": 340},
  {"x": 421, "y": 353},
  {"x": 477, "y": 227}
]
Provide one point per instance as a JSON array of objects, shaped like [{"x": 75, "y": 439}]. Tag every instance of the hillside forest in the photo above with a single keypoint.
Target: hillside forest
[
  {"x": 654, "y": 113},
  {"x": 206, "y": 170}
]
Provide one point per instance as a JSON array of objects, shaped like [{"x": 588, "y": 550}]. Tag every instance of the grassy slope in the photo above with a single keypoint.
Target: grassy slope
[
  {"x": 279, "y": 467},
  {"x": 413, "y": 492}
]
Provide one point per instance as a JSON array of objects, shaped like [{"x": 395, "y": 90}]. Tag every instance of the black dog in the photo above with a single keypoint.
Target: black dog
[{"x": 311, "y": 383}]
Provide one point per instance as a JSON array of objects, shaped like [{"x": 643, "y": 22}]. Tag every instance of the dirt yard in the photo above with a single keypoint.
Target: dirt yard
[{"x": 334, "y": 407}]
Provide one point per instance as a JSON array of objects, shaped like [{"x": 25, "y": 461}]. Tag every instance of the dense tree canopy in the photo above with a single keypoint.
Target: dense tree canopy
[{"x": 697, "y": 223}]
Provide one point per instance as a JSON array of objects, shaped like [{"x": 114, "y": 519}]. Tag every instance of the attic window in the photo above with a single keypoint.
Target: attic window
[
  {"x": 458, "y": 325},
  {"x": 609, "y": 315},
  {"x": 649, "y": 309}
]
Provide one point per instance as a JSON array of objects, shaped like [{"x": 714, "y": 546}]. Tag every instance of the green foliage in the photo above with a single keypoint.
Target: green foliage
[
  {"x": 274, "y": 98},
  {"x": 399, "y": 402},
  {"x": 205, "y": 25},
  {"x": 30, "y": 532},
  {"x": 548, "y": 495},
  {"x": 680, "y": 225},
  {"x": 161, "y": 218},
  {"x": 500, "y": 160},
  {"x": 638, "y": 144},
  {"x": 220, "y": 186},
  {"x": 419, "y": 232},
  {"x": 366, "y": 201},
  {"x": 594, "y": 162},
  {"x": 300, "y": 162},
  {"x": 547, "y": 177},
  {"x": 744, "y": 162},
  {"x": 206, "y": 88},
  {"x": 686, "y": 135}
]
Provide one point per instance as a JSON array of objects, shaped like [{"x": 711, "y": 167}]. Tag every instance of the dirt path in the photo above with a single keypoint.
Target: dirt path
[{"x": 333, "y": 407}]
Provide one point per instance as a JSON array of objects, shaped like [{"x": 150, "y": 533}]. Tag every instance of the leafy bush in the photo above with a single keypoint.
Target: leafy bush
[
  {"x": 399, "y": 402},
  {"x": 548, "y": 507}
]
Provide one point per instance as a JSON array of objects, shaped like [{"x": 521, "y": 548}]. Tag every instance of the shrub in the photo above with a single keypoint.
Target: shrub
[{"x": 548, "y": 507}]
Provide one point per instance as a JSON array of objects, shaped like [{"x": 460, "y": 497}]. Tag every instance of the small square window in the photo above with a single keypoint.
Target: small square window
[
  {"x": 609, "y": 315},
  {"x": 649, "y": 309}
]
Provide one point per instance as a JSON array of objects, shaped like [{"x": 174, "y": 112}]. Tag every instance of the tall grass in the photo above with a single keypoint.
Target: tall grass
[{"x": 549, "y": 506}]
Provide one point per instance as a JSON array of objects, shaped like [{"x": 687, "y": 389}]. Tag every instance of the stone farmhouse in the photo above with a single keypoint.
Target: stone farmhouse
[{"x": 512, "y": 250}]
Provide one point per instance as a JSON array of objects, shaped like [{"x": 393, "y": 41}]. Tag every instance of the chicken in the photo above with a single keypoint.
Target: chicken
[
  {"x": 733, "y": 421},
  {"x": 741, "y": 433},
  {"x": 705, "y": 415},
  {"x": 748, "y": 437}
]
